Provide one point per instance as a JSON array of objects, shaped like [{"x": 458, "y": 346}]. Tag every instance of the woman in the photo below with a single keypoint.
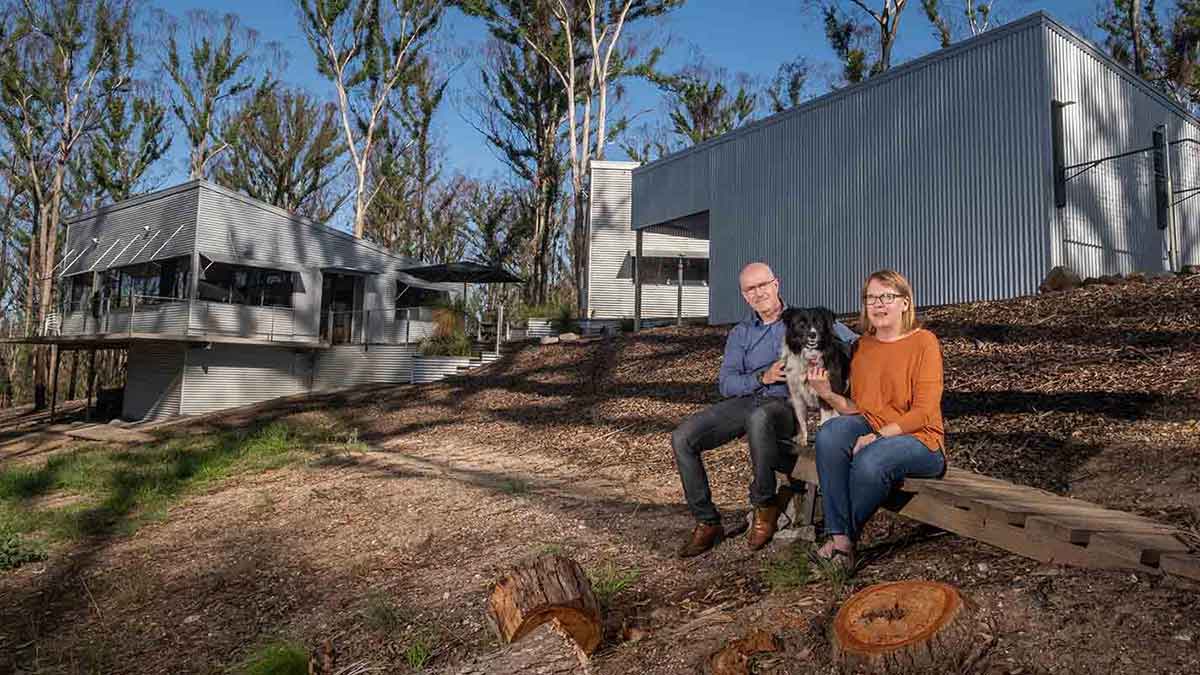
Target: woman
[{"x": 890, "y": 426}]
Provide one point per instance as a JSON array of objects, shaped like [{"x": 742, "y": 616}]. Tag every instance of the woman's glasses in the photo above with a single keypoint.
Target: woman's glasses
[{"x": 881, "y": 299}]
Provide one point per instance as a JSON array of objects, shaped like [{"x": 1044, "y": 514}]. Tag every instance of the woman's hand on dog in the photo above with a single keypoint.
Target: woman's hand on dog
[{"x": 818, "y": 379}]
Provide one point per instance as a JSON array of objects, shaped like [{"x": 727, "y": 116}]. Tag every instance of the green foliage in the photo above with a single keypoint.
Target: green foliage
[
  {"x": 209, "y": 74},
  {"x": 457, "y": 343},
  {"x": 790, "y": 571},
  {"x": 788, "y": 88},
  {"x": 285, "y": 149},
  {"x": 15, "y": 551},
  {"x": 418, "y": 651},
  {"x": 847, "y": 39},
  {"x": 280, "y": 658},
  {"x": 562, "y": 313},
  {"x": 608, "y": 580}
]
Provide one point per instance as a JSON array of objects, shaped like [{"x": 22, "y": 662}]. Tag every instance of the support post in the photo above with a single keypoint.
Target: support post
[
  {"x": 499, "y": 323},
  {"x": 91, "y": 381},
  {"x": 74, "y": 372},
  {"x": 1058, "y": 150},
  {"x": 56, "y": 356},
  {"x": 679, "y": 295},
  {"x": 637, "y": 284}
]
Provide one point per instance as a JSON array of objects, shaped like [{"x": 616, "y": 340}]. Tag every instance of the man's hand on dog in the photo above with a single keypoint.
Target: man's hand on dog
[
  {"x": 774, "y": 374},
  {"x": 818, "y": 379}
]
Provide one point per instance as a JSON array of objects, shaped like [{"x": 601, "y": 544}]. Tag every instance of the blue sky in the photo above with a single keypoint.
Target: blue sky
[{"x": 727, "y": 33}]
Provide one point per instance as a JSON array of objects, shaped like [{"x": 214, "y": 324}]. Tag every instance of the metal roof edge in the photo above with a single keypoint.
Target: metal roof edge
[
  {"x": 302, "y": 220},
  {"x": 133, "y": 201}
]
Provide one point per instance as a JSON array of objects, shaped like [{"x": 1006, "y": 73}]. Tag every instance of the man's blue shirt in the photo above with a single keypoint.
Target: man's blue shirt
[{"x": 751, "y": 348}]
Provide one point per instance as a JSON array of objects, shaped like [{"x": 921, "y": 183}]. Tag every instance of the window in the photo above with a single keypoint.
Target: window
[
  {"x": 246, "y": 285},
  {"x": 665, "y": 271},
  {"x": 79, "y": 293},
  {"x": 414, "y": 296},
  {"x": 152, "y": 282}
]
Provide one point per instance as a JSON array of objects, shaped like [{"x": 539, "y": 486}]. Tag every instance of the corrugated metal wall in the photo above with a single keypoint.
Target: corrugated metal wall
[
  {"x": 231, "y": 375},
  {"x": 154, "y": 384},
  {"x": 434, "y": 368},
  {"x": 234, "y": 225},
  {"x": 351, "y": 365},
  {"x": 901, "y": 173},
  {"x": 1109, "y": 224},
  {"x": 941, "y": 169},
  {"x": 170, "y": 216},
  {"x": 262, "y": 323},
  {"x": 610, "y": 266}
]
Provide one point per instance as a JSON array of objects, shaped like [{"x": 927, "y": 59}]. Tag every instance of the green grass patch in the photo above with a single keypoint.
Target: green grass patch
[
  {"x": 16, "y": 550},
  {"x": 418, "y": 651},
  {"x": 280, "y": 658},
  {"x": 608, "y": 580},
  {"x": 113, "y": 491},
  {"x": 790, "y": 571}
]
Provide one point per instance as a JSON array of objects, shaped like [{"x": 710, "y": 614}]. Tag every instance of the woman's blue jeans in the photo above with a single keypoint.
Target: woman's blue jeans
[{"x": 853, "y": 487}]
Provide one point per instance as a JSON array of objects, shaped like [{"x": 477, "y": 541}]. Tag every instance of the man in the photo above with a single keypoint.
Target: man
[{"x": 755, "y": 390}]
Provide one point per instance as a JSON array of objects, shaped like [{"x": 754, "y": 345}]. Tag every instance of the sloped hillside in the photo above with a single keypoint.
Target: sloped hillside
[{"x": 1094, "y": 391}]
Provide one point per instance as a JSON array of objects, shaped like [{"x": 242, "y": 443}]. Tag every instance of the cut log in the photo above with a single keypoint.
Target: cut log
[
  {"x": 544, "y": 651},
  {"x": 900, "y": 627},
  {"x": 549, "y": 588}
]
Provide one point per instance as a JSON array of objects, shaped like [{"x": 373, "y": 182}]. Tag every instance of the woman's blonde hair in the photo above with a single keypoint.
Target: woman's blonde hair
[{"x": 895, "y": 281}]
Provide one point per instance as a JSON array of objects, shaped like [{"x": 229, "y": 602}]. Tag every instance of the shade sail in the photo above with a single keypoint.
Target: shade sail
[{"x": 464, "y": 273}]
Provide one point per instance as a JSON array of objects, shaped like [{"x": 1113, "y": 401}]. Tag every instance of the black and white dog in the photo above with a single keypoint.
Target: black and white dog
[{"x": 811, "y": 341}]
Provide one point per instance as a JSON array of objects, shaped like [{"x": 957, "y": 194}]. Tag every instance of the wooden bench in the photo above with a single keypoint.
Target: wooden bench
[{"x": 1030, "y": 522}]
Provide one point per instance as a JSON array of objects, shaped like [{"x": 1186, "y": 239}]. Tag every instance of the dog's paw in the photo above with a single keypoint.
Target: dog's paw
[{"x": 799, "y": 441}]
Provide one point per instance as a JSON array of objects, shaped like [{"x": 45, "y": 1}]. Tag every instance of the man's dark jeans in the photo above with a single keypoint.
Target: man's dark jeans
[{"x": 764, "y": 421}]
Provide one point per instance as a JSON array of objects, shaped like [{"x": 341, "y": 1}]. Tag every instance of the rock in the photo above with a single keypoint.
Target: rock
[
  {"x": 1135, "y": 278},
  {"x": 1189, "y": 270},
  {"x": 1061, "y": 278},
  {"x": 549, "y": 340},
  {"x": 1111, "y": 279},
  {"x": 568, "y": 337}
]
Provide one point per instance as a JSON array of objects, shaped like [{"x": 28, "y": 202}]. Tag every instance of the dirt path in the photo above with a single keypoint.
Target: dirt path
[{"x": 383, "y": 550}]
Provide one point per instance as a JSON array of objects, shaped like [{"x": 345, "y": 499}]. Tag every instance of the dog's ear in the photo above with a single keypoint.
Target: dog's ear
[{"x": 787, "y": 315}]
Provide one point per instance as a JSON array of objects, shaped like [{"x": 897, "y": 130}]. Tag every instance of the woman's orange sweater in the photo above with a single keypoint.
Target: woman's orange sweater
[{"x": 901, "y": 382}]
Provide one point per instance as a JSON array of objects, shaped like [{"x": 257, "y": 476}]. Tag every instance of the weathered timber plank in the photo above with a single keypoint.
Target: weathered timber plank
[
  {"x": 1078, "y": 529},
  {"x": 975, "y": 524},
  {"x": 1144, "y": 549},
  {"x": 1186, "y": 565}
]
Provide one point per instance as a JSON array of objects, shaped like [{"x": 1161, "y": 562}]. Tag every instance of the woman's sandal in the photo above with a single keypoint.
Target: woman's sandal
[{"x": 843, "y": 560}]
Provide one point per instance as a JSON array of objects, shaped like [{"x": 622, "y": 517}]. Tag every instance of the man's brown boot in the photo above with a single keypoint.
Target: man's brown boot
[
  {"x": 703, "y": 538},
  {"x": 766, "y": 519}
]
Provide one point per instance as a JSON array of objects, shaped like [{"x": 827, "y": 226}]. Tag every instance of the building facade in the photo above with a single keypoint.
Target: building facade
[
  {"x": 944, "y": 169},
  {"x": 612, "y": 246},
  {"x": 222, "y": 300}
]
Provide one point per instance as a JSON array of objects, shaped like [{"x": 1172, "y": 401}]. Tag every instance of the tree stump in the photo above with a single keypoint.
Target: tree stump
[
  {"x": 549, "y": 588},
  {"x": 900, "y": 627}
]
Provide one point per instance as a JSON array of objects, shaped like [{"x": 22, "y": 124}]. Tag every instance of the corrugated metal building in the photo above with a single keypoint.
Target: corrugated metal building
[
  {"x": 611, "y": 242},
  {"x": 222, "y": 301},
  {"x": 943, "y": 169}
]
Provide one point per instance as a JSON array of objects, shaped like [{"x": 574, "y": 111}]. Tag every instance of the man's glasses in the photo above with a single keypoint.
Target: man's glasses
[
  {"x": 753, "y": 290},
  {"x": 881, "y": 299}
]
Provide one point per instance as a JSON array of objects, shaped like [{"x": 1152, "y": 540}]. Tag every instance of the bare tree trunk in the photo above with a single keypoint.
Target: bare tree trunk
[{"x": 1135, "y": 27}]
